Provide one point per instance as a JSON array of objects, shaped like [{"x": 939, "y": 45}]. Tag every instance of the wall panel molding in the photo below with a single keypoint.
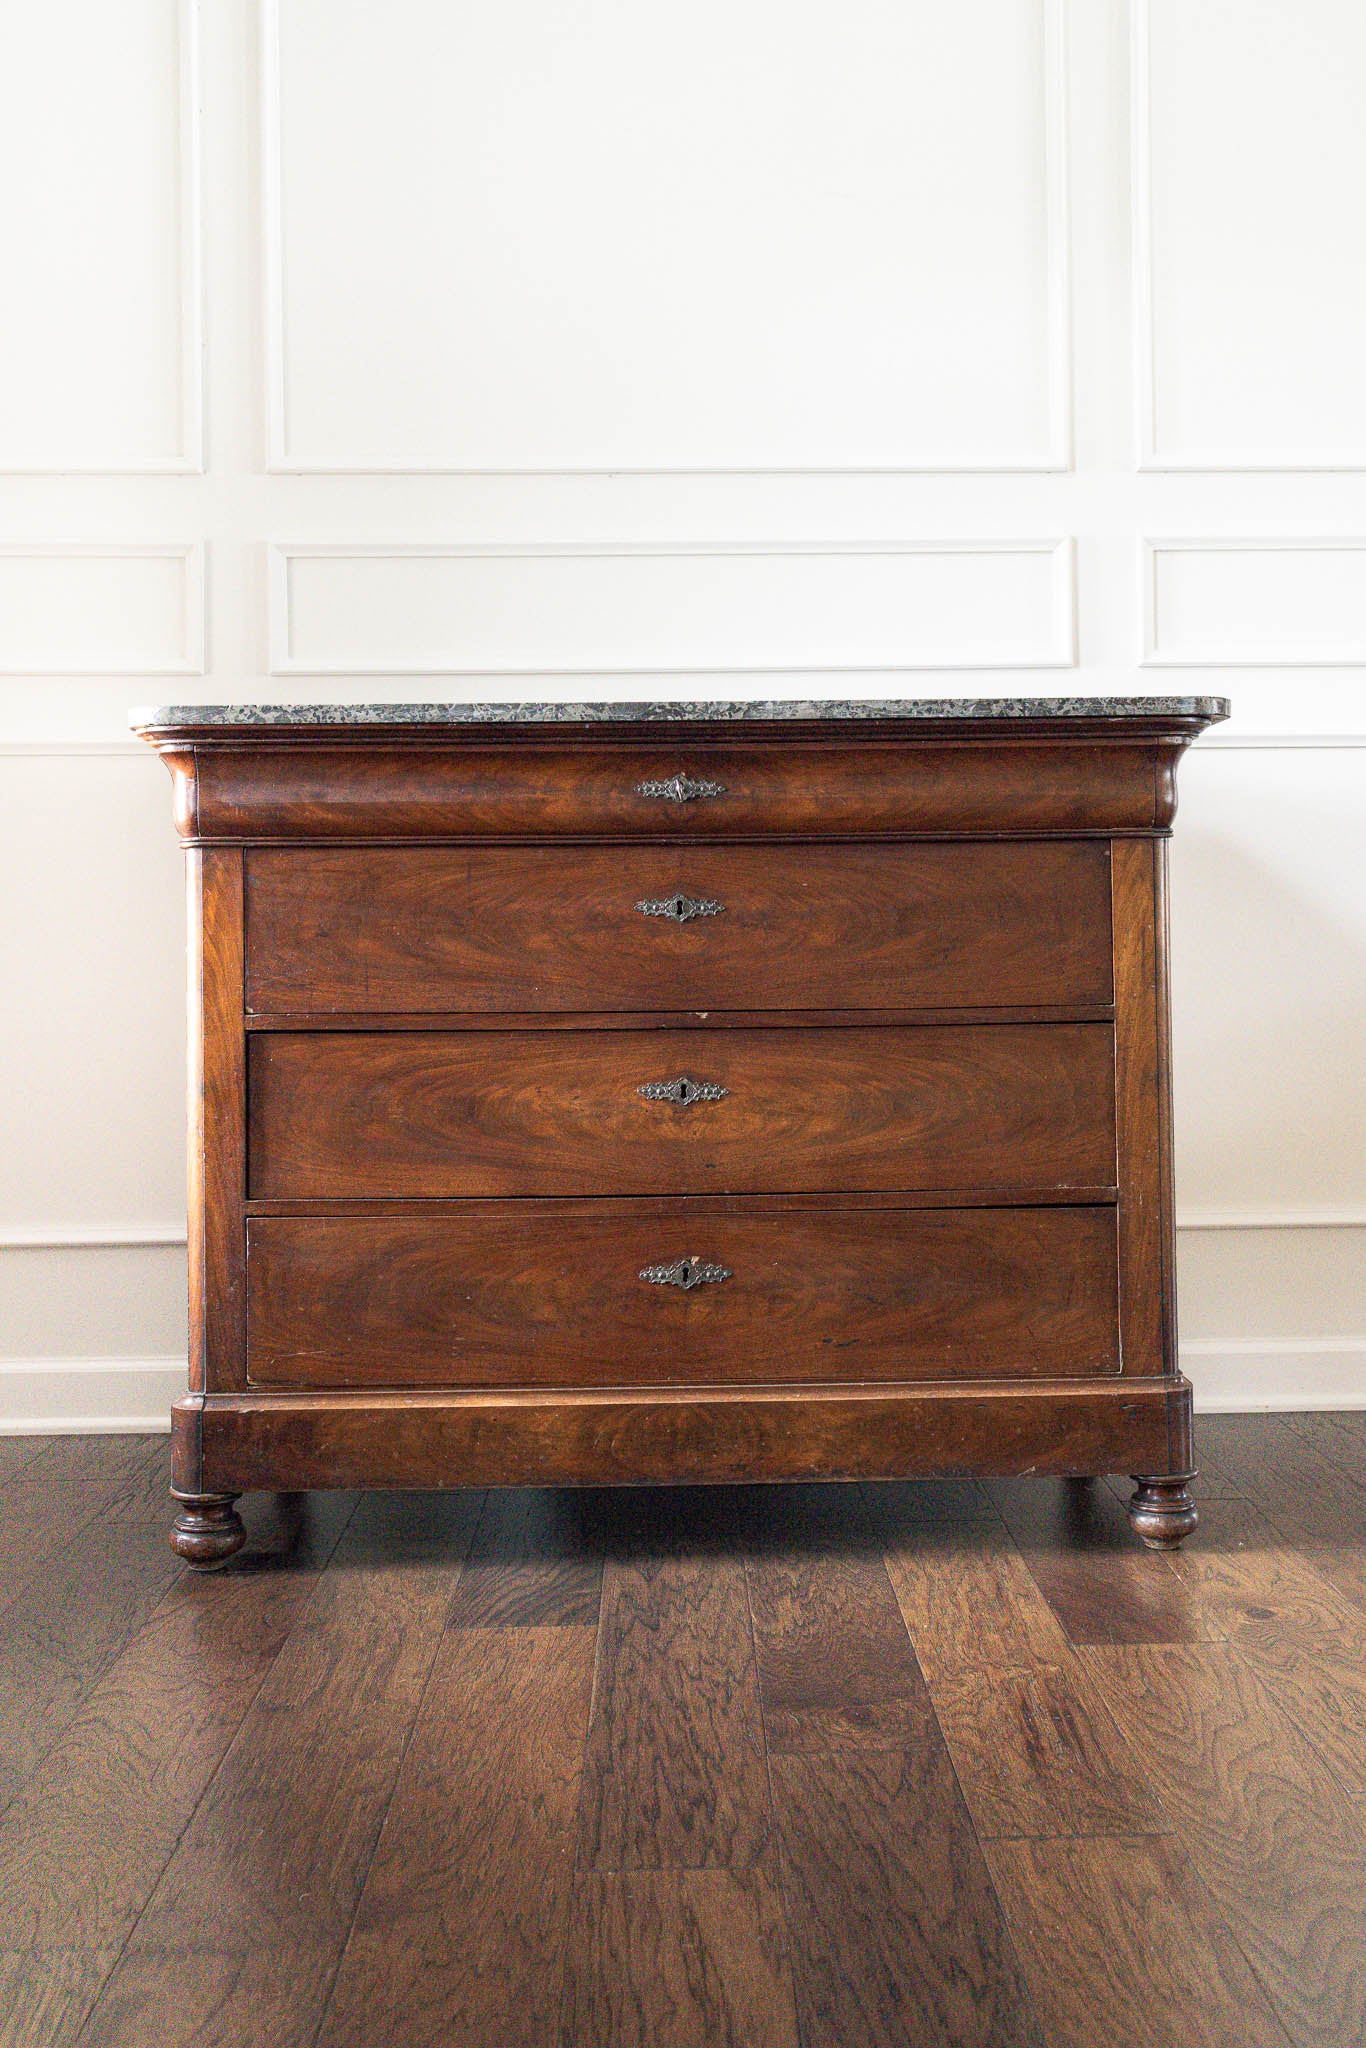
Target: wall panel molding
[
  {"x": 1299, "y": 645},
  {"x": 189, "y": 457},
  {"x": 181, "y": 648},
  {"x": 284, "y": 457},
  {"x": 1152, "y": 455},
  {"x": 821, "y": 592}
]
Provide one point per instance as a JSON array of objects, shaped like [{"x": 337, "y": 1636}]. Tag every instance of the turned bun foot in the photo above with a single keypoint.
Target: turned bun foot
[
  {"x": 208, "y": 1530},
  {"x": 1162, "y": 1511}
]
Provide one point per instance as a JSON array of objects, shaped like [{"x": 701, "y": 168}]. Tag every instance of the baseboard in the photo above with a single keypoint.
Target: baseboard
[
  {"x": 1238, "y": 1375},
  {"x": 53, "y": 1396},
  {"x": 87, "y": 1396}
]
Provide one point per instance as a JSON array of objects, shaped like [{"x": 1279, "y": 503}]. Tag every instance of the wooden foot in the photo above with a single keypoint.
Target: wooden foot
[
  {"x": 208, "y": 1530},
  {"x": 1162, "y": 1511}
]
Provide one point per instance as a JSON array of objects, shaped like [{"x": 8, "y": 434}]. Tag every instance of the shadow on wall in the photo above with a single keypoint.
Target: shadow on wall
[{"x": 1269, "y": 1021}]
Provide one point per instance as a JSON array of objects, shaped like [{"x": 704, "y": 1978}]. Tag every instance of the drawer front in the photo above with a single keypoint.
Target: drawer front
[
  {"x": 687, "y": 1296},
  {"x": 676, "y": 786},
  {"x": 989, "y": 1108},
  {"x": 401, "y": 929}
]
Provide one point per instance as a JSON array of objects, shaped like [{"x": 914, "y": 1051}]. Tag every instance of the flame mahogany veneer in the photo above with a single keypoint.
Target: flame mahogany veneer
[{"x": 713, "y": 1095}]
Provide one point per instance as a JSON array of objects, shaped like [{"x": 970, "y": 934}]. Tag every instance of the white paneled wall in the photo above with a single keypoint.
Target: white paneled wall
[{"x": 505, "y": 347}]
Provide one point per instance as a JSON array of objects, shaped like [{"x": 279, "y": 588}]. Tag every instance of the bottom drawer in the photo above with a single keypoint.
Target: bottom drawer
[{"x": 672, "y": 1293}]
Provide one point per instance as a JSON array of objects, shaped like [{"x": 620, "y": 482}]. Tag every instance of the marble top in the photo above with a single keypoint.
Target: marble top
[{"x": 741, "y": 712}]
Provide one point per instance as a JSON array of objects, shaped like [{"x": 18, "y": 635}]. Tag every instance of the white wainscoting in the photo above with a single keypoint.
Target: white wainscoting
[
  {"x": 101, "y": 608},
  {"x": 589, "y": 353},
  {"x": 761, "y": 237},
  {"x": 1228, "y": 603},
  {"x": 102, "y": 344},
  {"x": 1249, "y": 303},
  {"x": 751, "y": 607}
]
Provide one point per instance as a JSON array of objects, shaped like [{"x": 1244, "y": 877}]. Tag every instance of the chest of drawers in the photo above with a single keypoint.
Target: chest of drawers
[{"x": 628, "y": 1094}]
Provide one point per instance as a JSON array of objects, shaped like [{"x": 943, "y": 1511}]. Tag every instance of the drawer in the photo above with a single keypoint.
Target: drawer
[
  {"x": 987, "y": 1108},
  {"x": 337, "y": 930},
  {"x": 696, "y": 789},
  {"x": 522, "y": 1295}
]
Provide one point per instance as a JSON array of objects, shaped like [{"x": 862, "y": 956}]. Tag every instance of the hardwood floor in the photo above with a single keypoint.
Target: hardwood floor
[{"x": 951, "y": 1764}]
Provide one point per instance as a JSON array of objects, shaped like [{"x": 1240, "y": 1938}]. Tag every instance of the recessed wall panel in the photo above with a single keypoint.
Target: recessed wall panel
[
  {"x": 101, "y": 610},
  {"x": 572, "y": 610},
  {"x": 1250, "y": 162},
  {"x": 510, "y": 235},
  {"x": 98, "y": 237}
]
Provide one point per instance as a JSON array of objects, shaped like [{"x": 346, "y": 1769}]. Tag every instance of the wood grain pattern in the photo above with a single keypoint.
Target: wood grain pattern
[
  {"x": 357, "y": 1791},
  {"x": 1149, "y": 1344},
  {"x": 45, "y": 1994},
  {"x": 716, "y": 1435},
  {"x": 675, "y": 1774},
  {"x": 49, "y": 1667},
  {"x": 836, "y": 1668},
  {"x": 1280, "y": 1851},
  {"x": 559, "y": 1113},
  {"x": 956, "y": 931},
  {"x": 406, "y": 1300},
  {"x": 549, "y": 928},
  {"x": 525, "y": 788},
  {"x": 113, "y": 1794},
  {"x": 477, "y": 1853},
  {"x": 1121, "y": 1942},
  {"x": 1037, "y": 1752},
  {"x": 217, "y": 1120},
  {"x": 535, "y": 1562},
  {"x": 896, "y": 1932},
  {"x": 280, "y": 1843},
  {"x": 672, "y": 1958},
  {"x": 965, "y": 1593},
  {"x": 1076, "y": 1544}
]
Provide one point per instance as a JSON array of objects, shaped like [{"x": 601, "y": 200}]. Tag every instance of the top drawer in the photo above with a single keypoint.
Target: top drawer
[
  {"x": 673, "y": 788},
  {"x": 370, "y": 930}
]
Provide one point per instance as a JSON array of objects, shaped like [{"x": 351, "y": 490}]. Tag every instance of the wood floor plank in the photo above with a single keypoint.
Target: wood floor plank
[
  {"x": 675, "y": 1774},
  {"x": 896, "y": 1932},
  {"x": 278, "y": 1847},
  {"x": 968, "y": 1599},
  {"x": 45, "y": 1994},
  {"x": 1316, "y": 1503},
  {"x": 18, "y": 1452},
  {"x": 460, "y": 1933},
  {"x": 212, "y": 1995},
  {"x": 536, "y": 1561},
  {"x": 85, "y": 1840},
  {"x": 113, "y": 1458},
  {"x": 1101, "y": 1584},
  {"x": 1337, "y": 1435},
  {"x": 1282, "y": 1854},
  {"x": 1247, "y": 1582},
  {"x": 835, "y": 1661},
  {"x": 1038, "y": 1753},
  {"x": 64, "y": 1630},
  {"x": 1121, "y": 1942},
  {"x": 676, "y": 1959},
  {"x": 1321, "y": 1687}
]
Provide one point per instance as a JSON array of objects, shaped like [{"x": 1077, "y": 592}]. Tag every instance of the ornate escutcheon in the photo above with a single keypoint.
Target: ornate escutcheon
[
  {"x": 686, "y": 1273},
  {"x": 680, "y": 909},
  {"x": 680, "y": 789},
  {"x": 684, "y": 1091}
]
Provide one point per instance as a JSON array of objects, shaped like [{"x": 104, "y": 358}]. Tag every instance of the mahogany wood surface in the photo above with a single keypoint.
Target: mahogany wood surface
[
  {"x": 395, "y": 1300},
  {"x": 869, "y": 1018},
  {"x": 527, "y": 789},
  {"x": 768, "y": 1765},
  {"x": 546, "y": 928},
  {"x": 715, "y": 1435},
  {"x": 561, "y": 1113}
]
